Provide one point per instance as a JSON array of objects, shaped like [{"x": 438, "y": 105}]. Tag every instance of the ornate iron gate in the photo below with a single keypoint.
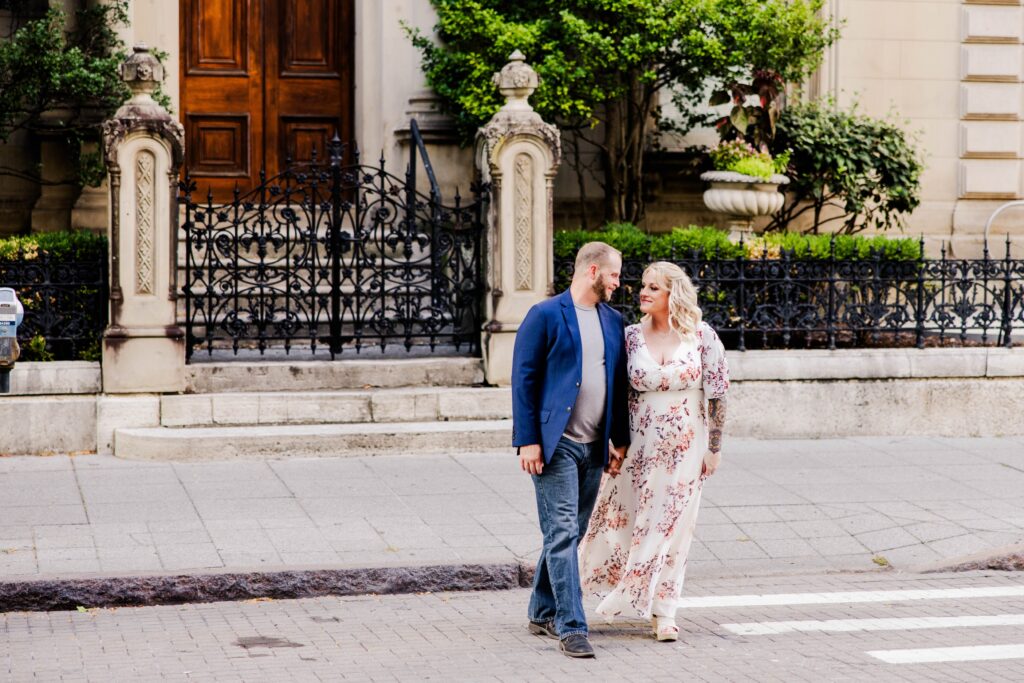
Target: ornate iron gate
[{"x": 334, "y": 256}]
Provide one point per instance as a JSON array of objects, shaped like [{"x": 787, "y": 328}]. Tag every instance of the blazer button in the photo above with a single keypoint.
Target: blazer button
[
  {"x": 577, "y": 384},
  {"x": 569, "y": 409}
]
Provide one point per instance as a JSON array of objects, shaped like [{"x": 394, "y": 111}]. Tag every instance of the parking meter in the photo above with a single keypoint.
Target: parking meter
[{"x": 11, "y": 315}]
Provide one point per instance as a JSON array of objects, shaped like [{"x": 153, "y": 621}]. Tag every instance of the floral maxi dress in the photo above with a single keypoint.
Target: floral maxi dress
[{"x": 634, "y": 554}]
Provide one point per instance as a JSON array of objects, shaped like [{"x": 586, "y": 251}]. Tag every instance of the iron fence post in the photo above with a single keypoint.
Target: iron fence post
[
  {"x": 831, "y": 315},
  {"x": 1007, "y": 326},
  {"x": 919, "y": 312},
  {"x": 741, "y": 303},
  {"x": 187, "y": 288},
  {"x": 335, "y": 246}
]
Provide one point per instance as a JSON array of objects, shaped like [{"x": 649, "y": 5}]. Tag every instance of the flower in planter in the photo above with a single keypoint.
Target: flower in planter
[{"x": 740, "y": 156}]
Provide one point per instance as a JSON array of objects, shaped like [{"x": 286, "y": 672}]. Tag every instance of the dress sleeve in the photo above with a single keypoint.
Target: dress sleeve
[{"x": 715, "y": 369}]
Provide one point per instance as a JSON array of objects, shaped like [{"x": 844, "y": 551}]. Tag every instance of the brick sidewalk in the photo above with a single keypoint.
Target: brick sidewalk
[
  {"x": 776, "y": 506},
  {"x": 853, "y": 624}
]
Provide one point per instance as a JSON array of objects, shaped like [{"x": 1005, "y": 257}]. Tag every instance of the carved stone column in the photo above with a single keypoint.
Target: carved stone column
[
  {"x": 90, "y": 210},
  {"x": 519, "y": 154},
  {"x": 143, "y": 348}
]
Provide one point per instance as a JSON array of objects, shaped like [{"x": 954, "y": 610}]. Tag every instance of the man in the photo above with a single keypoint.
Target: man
[{"x": 568, "y": 401}]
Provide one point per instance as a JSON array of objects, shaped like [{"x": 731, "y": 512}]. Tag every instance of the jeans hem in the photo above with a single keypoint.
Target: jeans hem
[{"x": 576, "y": 632}]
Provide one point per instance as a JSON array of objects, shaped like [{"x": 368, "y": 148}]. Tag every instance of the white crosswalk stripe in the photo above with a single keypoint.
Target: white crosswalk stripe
[
  {"x": 849, "y": 597},
  {"x": 764, "y": 628},
  {"x": 932, "y": 655},
  {"x": 949, "y": 654}
]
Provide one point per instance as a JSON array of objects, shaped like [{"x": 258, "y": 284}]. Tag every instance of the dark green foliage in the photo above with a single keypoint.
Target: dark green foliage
[
  {"x": 63, "y": 84},
  {"x": 70, "y": 246},
  {"x": 605, "y": 62},
  {"x": 64, "y": 318},
  {"x": 712, "y": 243},
  {"x": 860, "y": 171}
]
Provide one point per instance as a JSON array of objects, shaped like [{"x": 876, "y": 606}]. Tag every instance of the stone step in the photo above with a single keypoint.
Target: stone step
[
  {"x": 416, "y": 404},
  {"x": 303, "y": 441},
  {"x": 290, "y": 375}
]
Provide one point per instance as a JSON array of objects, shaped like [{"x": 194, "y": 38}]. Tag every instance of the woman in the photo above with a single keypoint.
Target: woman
[{"x": 634, "y": 554}]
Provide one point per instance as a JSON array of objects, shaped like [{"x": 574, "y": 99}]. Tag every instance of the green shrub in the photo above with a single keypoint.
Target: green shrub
[
  {"x": 682, "y": 242},
  {"x": 709, "y": 242},
  {"x": 72, "y": 245},
  {"x": 856, "y": 170}
]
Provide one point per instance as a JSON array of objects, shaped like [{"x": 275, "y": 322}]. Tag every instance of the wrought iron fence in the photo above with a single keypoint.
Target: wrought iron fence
[
  {"x": 335, "y": 256},
  {"x": 787, "y": 302},
  {"x": 66, "y": 304}
]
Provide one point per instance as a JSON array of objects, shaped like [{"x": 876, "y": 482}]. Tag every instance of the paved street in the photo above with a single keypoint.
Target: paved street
[
  {"x": 849, "y": 627},
  {"x": 776, "y": 506}
]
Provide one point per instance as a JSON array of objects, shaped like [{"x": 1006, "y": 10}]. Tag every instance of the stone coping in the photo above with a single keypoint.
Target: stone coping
[
  {"x": 866, "y": 364},
  {"x": 56, "y": 378},
  {"x": 83, "y": 377}
]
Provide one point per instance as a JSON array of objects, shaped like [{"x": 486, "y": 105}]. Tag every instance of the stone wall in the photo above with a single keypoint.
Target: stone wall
[{"x": 56, "y": 408}]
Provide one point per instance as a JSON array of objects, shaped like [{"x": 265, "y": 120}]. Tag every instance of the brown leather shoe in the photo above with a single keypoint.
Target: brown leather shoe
[
  {"x": 576, "y": 645},
  {"x": 546, "y": 628}
]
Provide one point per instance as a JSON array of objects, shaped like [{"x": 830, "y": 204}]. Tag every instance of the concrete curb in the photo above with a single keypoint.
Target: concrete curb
[
  {"x": 1007, "y": 559},
  {"x": 69, "y": 593}
]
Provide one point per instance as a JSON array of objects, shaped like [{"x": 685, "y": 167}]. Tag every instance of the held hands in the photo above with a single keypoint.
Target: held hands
[
  {"x": 712, "y": 459},
  {"x": 616, "y": 456},
  {"x": 531, "y": 459}
]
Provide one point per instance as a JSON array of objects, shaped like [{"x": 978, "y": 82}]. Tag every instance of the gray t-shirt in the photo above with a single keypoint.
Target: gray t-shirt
[{"x": 585, "y": 422}]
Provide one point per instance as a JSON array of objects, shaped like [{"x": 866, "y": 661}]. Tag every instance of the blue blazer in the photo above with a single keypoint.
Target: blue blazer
[{"x": 547, "y": 368}]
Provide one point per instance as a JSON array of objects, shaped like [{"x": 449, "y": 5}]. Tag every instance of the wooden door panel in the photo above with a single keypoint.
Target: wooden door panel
[
  {"x": 308, "y": 90},
  {"x": 218, "y": 144},
  {"x": 310, "y": 38},
  {"x": 301, "y": 135},
  {"x": 262, "y": 81},
  {"x": 222, "y": 93},
  {"x": 219, "y": 37}
]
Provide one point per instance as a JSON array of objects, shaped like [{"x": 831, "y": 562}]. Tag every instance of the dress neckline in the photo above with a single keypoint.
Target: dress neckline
[{"x": 643, "y": 340}]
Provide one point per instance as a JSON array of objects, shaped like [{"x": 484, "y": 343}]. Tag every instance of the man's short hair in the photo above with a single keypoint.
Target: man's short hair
[{"x": 595, "y": 252}]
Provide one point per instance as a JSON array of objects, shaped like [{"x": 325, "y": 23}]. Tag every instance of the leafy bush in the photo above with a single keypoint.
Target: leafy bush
[
  {"x": 74, "y": 245},
  {"x": 866, "y": 170},
  {"x": 710, "y": 242},
  {"x": 610, "y": 62}
]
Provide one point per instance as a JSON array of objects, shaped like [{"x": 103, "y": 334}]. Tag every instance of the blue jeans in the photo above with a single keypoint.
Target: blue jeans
[{"x": 566, "y": 493}]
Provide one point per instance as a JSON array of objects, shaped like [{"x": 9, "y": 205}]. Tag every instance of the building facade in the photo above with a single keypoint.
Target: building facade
[{"x": 255, "y": 83}]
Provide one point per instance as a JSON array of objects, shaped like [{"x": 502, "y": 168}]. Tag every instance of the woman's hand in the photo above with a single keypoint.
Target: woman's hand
[
  {"x": 616, "y": 456},
  {"x": 712, "y": 459}
]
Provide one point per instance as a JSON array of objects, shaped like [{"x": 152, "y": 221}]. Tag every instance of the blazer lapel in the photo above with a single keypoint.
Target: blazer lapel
[{"x": 569, "y": 314}]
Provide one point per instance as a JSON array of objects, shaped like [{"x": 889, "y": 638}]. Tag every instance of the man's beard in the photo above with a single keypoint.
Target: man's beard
[{"x": 601, "y": 289}]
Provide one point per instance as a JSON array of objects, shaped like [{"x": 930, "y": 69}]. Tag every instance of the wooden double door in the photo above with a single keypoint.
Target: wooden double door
[{"x": 262, "y": 81}]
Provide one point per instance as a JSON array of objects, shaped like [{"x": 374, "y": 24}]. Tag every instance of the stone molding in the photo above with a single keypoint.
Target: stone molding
[
  {"x": 990, "y": 74},
  {"x": 518, "y": 154},
  {"x": 143, "y": 347}
]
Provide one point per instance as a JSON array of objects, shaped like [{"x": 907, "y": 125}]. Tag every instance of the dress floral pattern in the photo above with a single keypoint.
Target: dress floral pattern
[{"x": 634, "y": 554}]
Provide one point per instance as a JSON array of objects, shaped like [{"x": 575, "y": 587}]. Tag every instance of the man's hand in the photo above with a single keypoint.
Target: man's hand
[
  {"x": 712, "y": 459},
  {"x": 616, "y": 456},
  {"x": 531, "y": 459}
]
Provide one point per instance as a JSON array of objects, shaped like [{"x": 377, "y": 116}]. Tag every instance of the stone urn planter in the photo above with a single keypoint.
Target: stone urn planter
[{"x": 742, "y": 197}]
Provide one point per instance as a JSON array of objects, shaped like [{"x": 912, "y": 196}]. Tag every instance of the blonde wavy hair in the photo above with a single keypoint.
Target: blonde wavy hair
[{"x": 684, "y": 314}]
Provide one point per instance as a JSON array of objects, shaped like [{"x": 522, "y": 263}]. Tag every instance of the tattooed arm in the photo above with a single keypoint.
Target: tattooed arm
[{"x": 716, "y": 420}]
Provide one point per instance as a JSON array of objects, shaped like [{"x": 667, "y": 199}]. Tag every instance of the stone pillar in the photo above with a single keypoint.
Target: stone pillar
[
  {"x": 143, "y": 347},
  {"x": 52, "y": 211},
  {"x": 518, "y": 154},
  {"x": 90, "y": 211}
]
